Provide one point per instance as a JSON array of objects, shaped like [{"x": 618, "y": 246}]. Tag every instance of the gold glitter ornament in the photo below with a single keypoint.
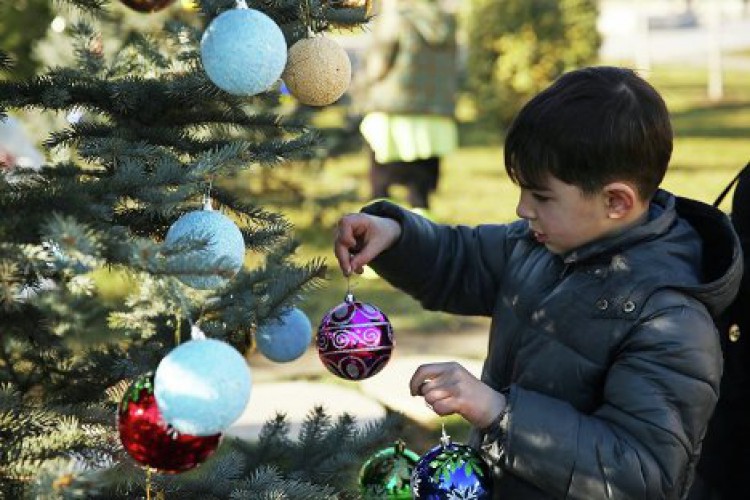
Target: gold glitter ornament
[{"x": 318, "y": 71}]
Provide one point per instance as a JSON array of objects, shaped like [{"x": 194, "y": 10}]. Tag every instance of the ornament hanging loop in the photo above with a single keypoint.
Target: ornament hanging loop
[
  {"x": 349, "y": 297},
  {"x": 445, "y": 439},
  {"x": 399, "y": 446},
  {"x": 148, "y": 483},
  {"x": 196, "y": 333},
  {"x": 207, "y": 197},
  {"x": 308, "y": 18},
  {"x": 241, "y": 4}
]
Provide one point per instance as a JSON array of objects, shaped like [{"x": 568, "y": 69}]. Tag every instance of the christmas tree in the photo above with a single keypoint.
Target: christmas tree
[{"x": 157, "y": 135}]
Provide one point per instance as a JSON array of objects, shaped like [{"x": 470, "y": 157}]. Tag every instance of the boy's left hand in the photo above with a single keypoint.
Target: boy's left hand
[{"x": 450, "y": 388}]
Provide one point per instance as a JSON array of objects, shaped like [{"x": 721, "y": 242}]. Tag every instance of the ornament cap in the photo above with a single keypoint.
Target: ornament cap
[
  {"x": 399, "y": 446},
  {"x": 445, "y": 439},
  {"x": 349, "y": 298},
  {"x": 196, "y": 333},
  {"x": 207, "y": 203}
]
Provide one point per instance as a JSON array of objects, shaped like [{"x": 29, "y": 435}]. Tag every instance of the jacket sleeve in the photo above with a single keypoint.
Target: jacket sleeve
[
  {"x": 644, "y": 438},
  {"x": 451, "y": 269}
]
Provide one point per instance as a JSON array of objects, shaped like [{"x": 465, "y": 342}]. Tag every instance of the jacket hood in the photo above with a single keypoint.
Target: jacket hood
[
  {"x": 430, "y": 22},
  {"x": 722, "y": 262},
  {"x": 669, "y": 234}
]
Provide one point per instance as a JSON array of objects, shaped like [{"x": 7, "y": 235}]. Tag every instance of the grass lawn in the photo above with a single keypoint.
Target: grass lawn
[{"x": 710, "y": 146}]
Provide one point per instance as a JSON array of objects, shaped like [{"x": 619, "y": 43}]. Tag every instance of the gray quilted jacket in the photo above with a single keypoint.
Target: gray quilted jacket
[{"x": 609, "y": 352}]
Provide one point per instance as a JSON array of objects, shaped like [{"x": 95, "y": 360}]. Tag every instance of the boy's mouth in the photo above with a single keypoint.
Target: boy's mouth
[{"x": 540, "y": 237}]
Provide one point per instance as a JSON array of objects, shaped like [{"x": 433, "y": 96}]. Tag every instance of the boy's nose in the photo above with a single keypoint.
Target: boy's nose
[{"x": 523, "y": 210}]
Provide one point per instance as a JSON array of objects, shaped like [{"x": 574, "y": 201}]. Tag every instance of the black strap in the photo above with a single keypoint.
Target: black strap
[{"x": 724, "y": 193}]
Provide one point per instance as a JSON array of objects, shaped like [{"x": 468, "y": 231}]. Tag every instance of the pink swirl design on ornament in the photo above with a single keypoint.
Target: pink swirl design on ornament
[
  {"x": 342, "y": 313},
  {"x": 352, "y": 338},
  {"x": 322, "y": 341},
  {"x": 370, "y": 311}
]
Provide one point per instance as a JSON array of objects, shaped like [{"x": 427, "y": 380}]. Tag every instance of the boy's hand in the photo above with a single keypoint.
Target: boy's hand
[
  {"x": 450, "y": 388},
  {"x": 362, "y": 237}
]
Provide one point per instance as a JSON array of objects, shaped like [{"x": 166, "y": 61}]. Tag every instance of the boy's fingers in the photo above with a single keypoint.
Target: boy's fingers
[
  {"x": 425, "y": 376},
  {"x": 341, "y": 251},
  {"x": 343, "y": 243},
  {"x": 345, "y": 233},
  {"x": 343, "y": 258},
  {"x": 422, "y": 385},
  {"x": 362, "y": 258}
]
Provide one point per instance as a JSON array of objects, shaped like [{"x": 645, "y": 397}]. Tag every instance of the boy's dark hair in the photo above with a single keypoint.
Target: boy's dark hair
[{"x": 592, "y": 126}]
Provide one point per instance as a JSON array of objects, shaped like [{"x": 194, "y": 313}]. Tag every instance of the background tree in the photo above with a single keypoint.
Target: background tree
[
  {"x": 155, "y": 141},
  {"x": 518, "y": 47},
  {"x": 22, "y": 24}
]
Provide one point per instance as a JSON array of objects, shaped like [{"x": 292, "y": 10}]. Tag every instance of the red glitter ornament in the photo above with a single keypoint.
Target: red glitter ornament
[
  {"x": 355, "y": 339},
  {"x": 147, "y": 5},
  {"x": 152, "y": 442}
]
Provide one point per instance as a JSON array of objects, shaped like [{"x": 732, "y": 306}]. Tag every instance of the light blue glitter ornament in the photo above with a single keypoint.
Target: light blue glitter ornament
[
  {"x": 202, "y": 386},
  {"x": 285, "y": 339},
  {"x": 225, "y": 247},
  {"x": 243, "y": 51}
]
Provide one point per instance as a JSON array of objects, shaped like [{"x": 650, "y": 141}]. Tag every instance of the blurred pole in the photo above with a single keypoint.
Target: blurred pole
[
  {"x": 715, "y": 77},
  {"x": 642, "y": 49}
]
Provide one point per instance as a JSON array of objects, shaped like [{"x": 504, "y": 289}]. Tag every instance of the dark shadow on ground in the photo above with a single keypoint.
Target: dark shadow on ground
[{"x": 726, "y": 120}]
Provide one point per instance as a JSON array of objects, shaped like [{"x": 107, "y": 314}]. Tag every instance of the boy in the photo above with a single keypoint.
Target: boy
[{"x": 603, "y": 361}]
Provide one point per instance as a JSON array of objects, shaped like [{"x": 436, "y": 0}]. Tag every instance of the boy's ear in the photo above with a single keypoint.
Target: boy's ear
[{"x": 621, "y": 200}]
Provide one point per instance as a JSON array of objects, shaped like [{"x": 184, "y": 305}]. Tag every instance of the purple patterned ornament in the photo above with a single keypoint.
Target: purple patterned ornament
[{"x": 355, "y": 339}]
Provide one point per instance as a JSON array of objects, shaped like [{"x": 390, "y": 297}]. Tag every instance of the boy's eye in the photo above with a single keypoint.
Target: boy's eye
[{"x": 539, "y": 197}]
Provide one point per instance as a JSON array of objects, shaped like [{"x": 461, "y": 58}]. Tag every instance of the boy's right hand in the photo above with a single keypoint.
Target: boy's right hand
[{"x": 362, "y": 237}]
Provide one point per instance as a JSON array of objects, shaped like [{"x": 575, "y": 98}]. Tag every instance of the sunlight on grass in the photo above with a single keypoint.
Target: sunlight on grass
[
  {"x": 474, "y": 187},
  {"x": 710, "y": 147}
]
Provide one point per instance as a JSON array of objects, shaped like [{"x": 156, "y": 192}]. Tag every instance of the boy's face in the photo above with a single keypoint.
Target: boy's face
[{"x": 561, "y": 217}]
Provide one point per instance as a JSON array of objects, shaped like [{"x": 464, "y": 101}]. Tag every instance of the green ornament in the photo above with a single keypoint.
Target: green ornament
[{"x": 386, "y": 474}]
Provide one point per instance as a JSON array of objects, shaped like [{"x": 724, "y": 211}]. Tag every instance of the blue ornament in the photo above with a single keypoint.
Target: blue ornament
[
  {"x": 224, "y": 248},
  {"x": 202, "y": 386},
  {"x": 285, "y": 339},
  {"x": 451, "y": 470},
  {"x": 243, "y": 51}
]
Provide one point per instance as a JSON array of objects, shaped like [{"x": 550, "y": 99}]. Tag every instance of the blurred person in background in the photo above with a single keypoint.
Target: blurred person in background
[{"x": 407, "y": 95}]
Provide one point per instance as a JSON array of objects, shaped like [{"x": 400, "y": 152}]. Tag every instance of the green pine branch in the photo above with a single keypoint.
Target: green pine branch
[{"x": 154, "y": 138}]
